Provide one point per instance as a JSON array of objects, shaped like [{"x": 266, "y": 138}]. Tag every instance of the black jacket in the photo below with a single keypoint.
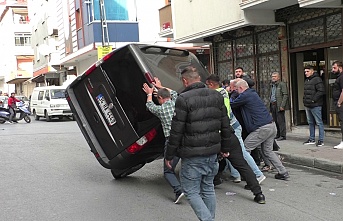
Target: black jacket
[
  {"x": 314, "y": 91},
  {"x": 200, "y": 126}
]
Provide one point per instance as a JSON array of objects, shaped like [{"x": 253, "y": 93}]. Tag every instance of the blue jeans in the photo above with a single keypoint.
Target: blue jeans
[
  {"x": 314, "y": 116},
  {"x": 251, "y": 162},
  {"x": 196, "y": 176},
  {"x": 169, "y": 174}
]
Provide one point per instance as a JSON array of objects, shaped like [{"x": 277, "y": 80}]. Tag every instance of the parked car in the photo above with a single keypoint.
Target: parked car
[
  {"x": 109, "y": 104},
  {"x": 49, "y": 102},
  {"x": 3, "y": 101}
]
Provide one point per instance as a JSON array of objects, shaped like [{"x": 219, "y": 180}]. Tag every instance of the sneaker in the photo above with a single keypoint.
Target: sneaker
[
  {"x": 284, "y": 176},
  {"x": 260, "y": 199},
  {"x": 178, "y": 197},
  {"x": 237, "y": 179},
  {"x": 309, "y": 141},
  {"x": 10, "y": 122},
  {"x": 267, "y": 168},
  {"x": 320, "y": 143},
  {"x": 339, "y": 146},
  {"x": 281, "y": 138},
  {"x": 261, "y": 178},
  {"x": 217, "y": 180}
]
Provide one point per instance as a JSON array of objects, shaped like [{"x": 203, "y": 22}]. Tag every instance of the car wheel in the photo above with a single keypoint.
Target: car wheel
[
  {"x": 128, "y": 172},
  {"x": 35, "y": 115},
  {"x": 2, "y": 121},
  {"x": 27, "y": 119},
  {"x": 47, "y": 117},
  {"x": 60, "y": 118}
]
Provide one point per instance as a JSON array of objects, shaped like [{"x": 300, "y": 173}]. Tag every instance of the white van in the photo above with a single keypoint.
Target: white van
[{"x": 49, "y": 102}]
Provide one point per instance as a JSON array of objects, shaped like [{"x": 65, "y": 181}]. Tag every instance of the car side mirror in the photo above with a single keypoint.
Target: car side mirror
[{"x": 47, "y": 98}]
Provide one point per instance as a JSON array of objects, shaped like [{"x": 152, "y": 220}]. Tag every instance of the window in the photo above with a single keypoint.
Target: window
[
  {"x": 90, "y": 14},
  {"x": 47, "y": 95},
  {"x": 40, "y": 95},
  {"x": 22, "y": 39}
]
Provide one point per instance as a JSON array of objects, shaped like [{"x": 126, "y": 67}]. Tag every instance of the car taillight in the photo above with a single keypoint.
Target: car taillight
[
  {"x": 92, "y": 68},
  {"x": 149, "y": 77},
  {"x": 142, "y": 142}
]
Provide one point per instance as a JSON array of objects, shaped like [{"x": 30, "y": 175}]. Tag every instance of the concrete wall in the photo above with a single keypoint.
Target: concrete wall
[{"x": 85, "y": 64}]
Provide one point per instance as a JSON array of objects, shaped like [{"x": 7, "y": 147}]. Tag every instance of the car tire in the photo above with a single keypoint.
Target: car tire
[
  {"x": 27, "y": 119},
  {"x": 2, "y": 121},
  {"x": 47, "y": 117},
  {"x": 128, "y": 172},
  {"x": 35, "y": 115}
]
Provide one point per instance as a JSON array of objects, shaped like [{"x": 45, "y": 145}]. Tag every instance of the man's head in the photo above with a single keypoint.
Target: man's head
[
  {"x": 239, "y": 72},
  {"x": 337, "y": 67},
  {"x": 275, "y": 76},
  {"x": 241, "y": 86},
  {"x": 163, "y": 95},
  {"x": 12, "y": 94},
  {"x": 213, "y": 81},
  {"x": 233, "y": 85},
  {"x": 226, "y": 83},
  {"x": 189, "y": 76},
  {"x": 309, "y": 71}
]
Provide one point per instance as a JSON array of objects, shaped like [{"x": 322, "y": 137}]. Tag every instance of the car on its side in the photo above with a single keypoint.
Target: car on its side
[{"x": 109, "y": 104}]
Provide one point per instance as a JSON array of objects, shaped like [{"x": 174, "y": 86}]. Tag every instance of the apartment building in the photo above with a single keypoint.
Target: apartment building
[
  {"x": 15, "y": 43},
  {"x": 44, "y": 42},
  {"x": 264, "y": 36}
]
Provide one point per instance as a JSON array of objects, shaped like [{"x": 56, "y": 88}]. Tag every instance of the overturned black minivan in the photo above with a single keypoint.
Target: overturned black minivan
[{"x": 108, "y": 103}]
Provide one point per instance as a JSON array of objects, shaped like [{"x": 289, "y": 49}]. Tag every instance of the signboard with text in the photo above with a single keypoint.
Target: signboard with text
[{"x": 103, "y": 50}]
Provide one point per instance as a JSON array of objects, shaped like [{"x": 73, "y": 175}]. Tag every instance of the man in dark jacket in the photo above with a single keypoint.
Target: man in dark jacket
[
  {"x": 314, "y": 91},
  {"x": 278, "y": 102},
  {"x": 239, "y": 73},
  {"x": 200, "y": 130},
  {"x": 337, "y": 95},
  {"x": 259, "y": 124}
]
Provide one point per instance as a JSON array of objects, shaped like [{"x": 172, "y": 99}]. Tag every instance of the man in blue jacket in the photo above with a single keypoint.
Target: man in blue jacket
[{"x": 259, "y": 124}]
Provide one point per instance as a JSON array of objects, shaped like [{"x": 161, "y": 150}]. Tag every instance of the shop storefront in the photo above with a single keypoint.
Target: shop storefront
[
  {"x": 314, "y": 38},
  {"x": 255, "y": 49}
]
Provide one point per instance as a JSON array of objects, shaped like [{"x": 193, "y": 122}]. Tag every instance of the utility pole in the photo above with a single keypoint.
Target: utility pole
[{"x": 105, "y": 38}]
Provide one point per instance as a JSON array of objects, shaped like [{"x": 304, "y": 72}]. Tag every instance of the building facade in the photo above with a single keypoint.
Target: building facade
[
  {"x": 15, "y": 42},
  {"x": 265, "y": 37},
  {"x": 44, "y": 42}
]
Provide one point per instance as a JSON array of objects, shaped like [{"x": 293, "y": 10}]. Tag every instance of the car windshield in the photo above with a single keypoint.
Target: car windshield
[{"x": 57, "y": 93}]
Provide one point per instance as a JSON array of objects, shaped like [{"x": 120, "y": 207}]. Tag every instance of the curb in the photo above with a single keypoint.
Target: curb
[{"x": 317, "y": 163}]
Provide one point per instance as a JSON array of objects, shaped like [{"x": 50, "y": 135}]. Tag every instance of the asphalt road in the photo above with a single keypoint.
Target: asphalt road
[{"x": 48, "y": 173}]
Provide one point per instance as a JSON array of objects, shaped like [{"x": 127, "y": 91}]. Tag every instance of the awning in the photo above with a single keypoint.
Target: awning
[{"x": 17, "y": 80}]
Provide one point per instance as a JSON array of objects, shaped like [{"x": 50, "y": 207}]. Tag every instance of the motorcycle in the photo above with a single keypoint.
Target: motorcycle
[{"x": 21, "y": 109}]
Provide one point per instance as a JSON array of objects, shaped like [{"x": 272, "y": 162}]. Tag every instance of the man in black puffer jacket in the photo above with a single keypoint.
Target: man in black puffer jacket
[
  {"x": 200, "y": 130},
  {"x": 314, "y": 91}
]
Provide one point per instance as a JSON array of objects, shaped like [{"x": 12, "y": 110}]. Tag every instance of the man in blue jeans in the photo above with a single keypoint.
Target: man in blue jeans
[
  {"x": 213, "y": 82},
  {"x": 166, "y": 98},
  {"x": 314, "y": 91},
  {"x": 200, "y": 130}
]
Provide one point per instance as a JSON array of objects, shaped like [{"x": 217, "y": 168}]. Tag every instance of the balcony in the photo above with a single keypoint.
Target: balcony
[
  {"x": 266, "y": 4},
  {"x": 23, "y": 50},
  {"x": 18, "y": 76},
  {"x": 320, "y": 3},
  {"x": 166, "y": 22}
]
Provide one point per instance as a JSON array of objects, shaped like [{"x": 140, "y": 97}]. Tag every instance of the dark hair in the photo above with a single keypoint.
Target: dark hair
[
  {"x": 309, "y": 67},
  {"x": 163, "y": 92},
  {"x": 226, "y": 81},
  {"x": 239, "y": 68},
  {"x": 338, "y": 63},
  {"x": 190, "y": 72},
  {"x": 214, "y": 78}
]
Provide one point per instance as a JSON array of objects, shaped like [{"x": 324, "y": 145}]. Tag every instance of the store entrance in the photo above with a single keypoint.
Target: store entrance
[{"x": 299, "y": 60}]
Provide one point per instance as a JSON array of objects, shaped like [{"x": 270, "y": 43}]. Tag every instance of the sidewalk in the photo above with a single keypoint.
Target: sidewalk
[{"x": 325, "y": 158}]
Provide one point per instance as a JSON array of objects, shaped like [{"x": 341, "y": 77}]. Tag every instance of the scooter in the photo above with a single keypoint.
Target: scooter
[{"x": 22, "y": 110}]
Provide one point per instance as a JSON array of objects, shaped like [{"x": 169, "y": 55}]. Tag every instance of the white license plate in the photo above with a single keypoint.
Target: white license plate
[{"x": 106, "y": 110}]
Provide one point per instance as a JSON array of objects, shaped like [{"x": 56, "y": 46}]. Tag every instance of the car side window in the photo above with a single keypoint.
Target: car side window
[
  {"x": 40, "y": 95},
  {"x": 47, "y": 92}
]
